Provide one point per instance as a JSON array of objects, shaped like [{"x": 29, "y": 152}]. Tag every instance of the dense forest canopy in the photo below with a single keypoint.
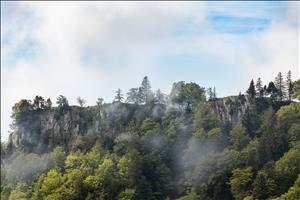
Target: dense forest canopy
[{"x": 149, "y": 145}]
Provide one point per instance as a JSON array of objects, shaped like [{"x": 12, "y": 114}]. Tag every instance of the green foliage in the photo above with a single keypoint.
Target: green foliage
[
  {"x": 190, "y": 196},
  {"x": 20, "y": 108},
  {"x": 293, "y": 193},
  {"x": 296, "y": 89},
  {"x": 294, "y": 134},
  {"x": 58, "y": 157},
  {"x": 272, "y": 90},
  {"x": 238, "y": 137},
  {"x": 17, "y": 195},
  {"x": 149, "y": 149},
  {"x": 288, "y": 167},
  {"x": 240, "y": 182},
  {"x": 288, "y": 115},
  {"x": 251, "y": 90},
  {"x": 62, "y": 101},
  {"x": 250, "y": 154},
  {"x": 187, "y": 95},
  {"x": 263, "y": 186},
  {"x": 129, "y": 167},
  {"x": 127, "y": 194},
  {"x": 51, "y": 186},
  {"x": 205, "y": 118}
]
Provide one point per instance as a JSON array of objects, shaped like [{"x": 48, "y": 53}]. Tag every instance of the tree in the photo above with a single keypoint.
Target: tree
[
  {"x": 250, "y": 121},
  {"x": 263, "y": 186},
  {"x": 259, "y": 88},
  {"x": 129, "y": 167},
  {"x": 127, "y": 194},
  {"x": 280, "y": 86},
  {"x": 48, "y": 103},
  {"x": 251, "y": 90},
  {"x": 119, "y": 96},
  {"x": 20, "y": 108},
  {"x": 238, "y": 137},
  {"x": 289, "y": 85},
  {"x": 160, "y": 97},
  {"x": 240, "y": 182},
  {"x": 287, "y": 168},
  {"x": 293, "y": 193},
  {"x": 296, "y": 89},
  {"x": 187, "y": 95},
  {"x": 49, "y": 186},
  {"x": 145, "y": 93},
  {"x": 293, "y": 134},
  {"x": 105, "y": 183},
  {"x": 81, "y": 101},
  {"x": 17, "y": 195},
  {"x": 38, "y": 103},
  {"x": 58, "y": 157},
  {"x": 214, "y": 93},
  {"x": 211, "y": 92},
  {"x": 272, "y": 90},
  {"x": 133, "y": 96},
  {"x": 62, "y": 101},
  {"x": 272, "y": 142}
]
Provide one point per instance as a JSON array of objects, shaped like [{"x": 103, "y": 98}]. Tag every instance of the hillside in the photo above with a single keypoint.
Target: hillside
[{"x": 184, "y": 145}]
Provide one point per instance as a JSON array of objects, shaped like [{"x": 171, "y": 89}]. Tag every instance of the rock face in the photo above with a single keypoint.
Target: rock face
[
  {"x": 231, "y": 108},
  {"x": 41, "y": 130}
]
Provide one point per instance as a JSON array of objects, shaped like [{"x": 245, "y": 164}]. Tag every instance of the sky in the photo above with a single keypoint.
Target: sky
[{"x": 90, "y": 49}]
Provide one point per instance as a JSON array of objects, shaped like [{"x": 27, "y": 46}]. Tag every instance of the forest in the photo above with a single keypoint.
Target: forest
[{"x": 147, "y": 145}]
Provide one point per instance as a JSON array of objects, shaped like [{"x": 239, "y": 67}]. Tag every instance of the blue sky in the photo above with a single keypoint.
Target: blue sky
[{"x": 90, "y": 49}]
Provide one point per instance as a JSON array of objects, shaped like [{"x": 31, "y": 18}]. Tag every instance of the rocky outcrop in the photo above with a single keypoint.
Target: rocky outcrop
[
  {"x": 231, "y": 108},
  {"x": 41, "y": 130}
]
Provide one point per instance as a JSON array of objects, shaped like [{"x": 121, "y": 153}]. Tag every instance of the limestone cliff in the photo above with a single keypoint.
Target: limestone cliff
[
  {"x": 41, "y": 130},
  {"x": 231, "y": 108}
]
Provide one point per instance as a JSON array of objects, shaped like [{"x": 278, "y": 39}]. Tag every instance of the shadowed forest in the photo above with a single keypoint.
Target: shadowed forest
[{"x": 147, "y": 145}]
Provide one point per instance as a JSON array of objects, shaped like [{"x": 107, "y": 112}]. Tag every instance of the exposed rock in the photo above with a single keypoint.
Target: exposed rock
[
  {"x": 41, "y": 130},
  {"x": 231, "y": 108}
]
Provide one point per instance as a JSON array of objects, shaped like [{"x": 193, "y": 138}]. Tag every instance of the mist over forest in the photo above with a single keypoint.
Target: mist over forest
[{"x": 186, "y": 145}]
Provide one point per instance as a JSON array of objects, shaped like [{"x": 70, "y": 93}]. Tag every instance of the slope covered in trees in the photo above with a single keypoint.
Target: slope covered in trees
[{"x": 147, "y": 145}]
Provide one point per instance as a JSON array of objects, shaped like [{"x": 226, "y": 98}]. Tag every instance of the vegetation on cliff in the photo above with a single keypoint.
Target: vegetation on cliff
[{"x": 186, "y": 145}]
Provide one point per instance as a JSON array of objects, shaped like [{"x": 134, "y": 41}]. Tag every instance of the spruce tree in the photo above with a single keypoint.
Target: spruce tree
[
  {"x": 145, "y": 93},
  {"x": 251, "y": 90},
  {"x": 214, "y": 93},
  {"x": 272, "y": 90},
  {"x": 133, "y": 96},
  {"x": 259, "y": 88},
  {"x": 119, "y": 96},
  {"x": 160, "y": 97},
  {"x": 280, "y": 86},
  {"x": 289, "y": 85}
]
